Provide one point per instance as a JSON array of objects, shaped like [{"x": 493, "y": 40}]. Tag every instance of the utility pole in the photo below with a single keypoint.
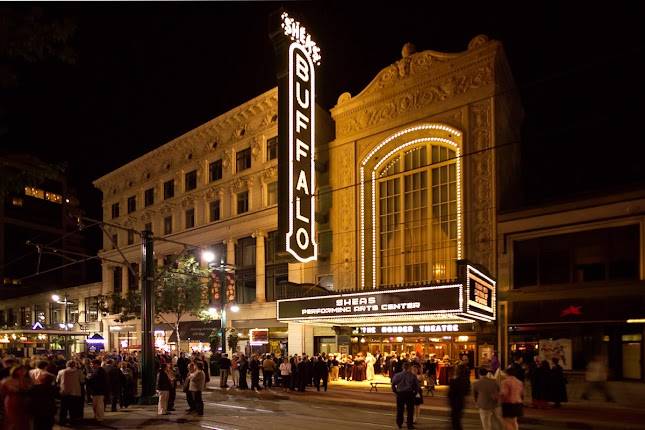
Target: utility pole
[{"x": 147, "y": 306}]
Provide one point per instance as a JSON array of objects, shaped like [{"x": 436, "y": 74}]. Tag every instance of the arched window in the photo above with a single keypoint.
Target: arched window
[{"x": 417, "y": 214}]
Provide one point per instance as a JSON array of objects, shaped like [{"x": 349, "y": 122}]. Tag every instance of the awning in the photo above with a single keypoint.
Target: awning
[{"x": 471, "y": 298}]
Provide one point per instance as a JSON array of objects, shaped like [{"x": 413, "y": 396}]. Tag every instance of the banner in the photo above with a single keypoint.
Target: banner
[{"x": 558, "y": 348}]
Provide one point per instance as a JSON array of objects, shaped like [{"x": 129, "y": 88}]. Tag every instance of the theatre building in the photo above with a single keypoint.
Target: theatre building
[
  {"x": 409, "y": 176},
  {"x": 421, "y": 160}
]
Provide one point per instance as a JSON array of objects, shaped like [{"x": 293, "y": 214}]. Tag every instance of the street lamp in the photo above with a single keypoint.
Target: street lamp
[{"x": 65, "y": 326}]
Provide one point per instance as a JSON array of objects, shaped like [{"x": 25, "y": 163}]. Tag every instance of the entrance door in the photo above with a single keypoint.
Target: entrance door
[
  {"x": 326, "y": 344},
  {"x": 632, "y": 360}
]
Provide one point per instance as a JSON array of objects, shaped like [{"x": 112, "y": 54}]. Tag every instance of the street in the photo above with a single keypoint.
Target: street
[{"x": 225, "y": 411}]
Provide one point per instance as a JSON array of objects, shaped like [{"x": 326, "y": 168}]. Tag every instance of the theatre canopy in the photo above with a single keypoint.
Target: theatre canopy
[{"x": 470, "y": 298}]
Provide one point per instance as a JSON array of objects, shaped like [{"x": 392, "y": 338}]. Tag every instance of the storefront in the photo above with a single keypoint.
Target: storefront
[
  {"x": 443, "y": 321},
  {"x": 40, "y": 338},
  {"x": 261, "y": 336}
]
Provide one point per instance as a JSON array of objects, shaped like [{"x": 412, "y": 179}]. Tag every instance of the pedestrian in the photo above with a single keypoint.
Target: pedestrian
[
  {"x": 97, "y": 386},
  {"x": 418, "y": 397},
  {"x": 43, "y": 394},
  {"x": 224, "y": 370},
  {"x": 285, "y": 373},
  {"x": 163, "y": 389},
  {"x": 557, "y": 384},
  {"x": 14, "y": 389},
  {"x": 114, "y": 382},
  {"x": 254, "y": 367},
  {"x": 69, "y": 381},
  {"x": 196, "y": 386},
  {"x": 235, "y": 371},
  {"x": 321, "y": 373},
  {"x": 127, "y": 389},
  {"x": 596, "y": 377},
  {"x": 268, "y": 367},
  {"x": 494, "y": 364},
  {"x": 173, "y": 388},
  {"x": 540, "y": 384},
  {"x": 518, "y": 368},
  {"x": 511, "y": 395},
  {"x": 405, "y": 385},
  {"x": 185, "y": 386},
  {"x": 334, "y": 366},
  {"x": 182, "y": 366},
  {"x": 458, "y": 389},
  {"x": 486, "y": 394},
  {"x": 243, "y": 368}
]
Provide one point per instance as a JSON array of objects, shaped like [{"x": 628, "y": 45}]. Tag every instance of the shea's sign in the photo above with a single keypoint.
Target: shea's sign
[
  {"x": 423, "y": 300},
  {"x": 296, "y": 137}
]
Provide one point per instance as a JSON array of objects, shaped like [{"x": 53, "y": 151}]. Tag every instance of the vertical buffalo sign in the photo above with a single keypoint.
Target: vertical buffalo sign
[{"x": 297, "y": 55}]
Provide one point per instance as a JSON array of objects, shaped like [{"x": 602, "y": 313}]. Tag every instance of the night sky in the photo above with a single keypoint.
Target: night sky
[{"x": 145, "y": 73}]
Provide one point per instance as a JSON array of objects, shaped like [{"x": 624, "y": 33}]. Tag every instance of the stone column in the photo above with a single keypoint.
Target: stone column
[
  {"x": 260, "y": 288},
  {"x": 108, "y": 277}
]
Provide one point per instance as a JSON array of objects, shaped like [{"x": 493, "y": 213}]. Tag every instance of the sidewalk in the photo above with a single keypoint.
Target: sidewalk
[{"x": 627, "y": 413}]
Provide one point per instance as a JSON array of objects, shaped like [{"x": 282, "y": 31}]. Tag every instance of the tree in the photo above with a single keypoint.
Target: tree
[{"x": 180, "y": 290}]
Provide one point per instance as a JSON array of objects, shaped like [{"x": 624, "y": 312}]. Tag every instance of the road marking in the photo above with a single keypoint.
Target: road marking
[{"x": 237, "y": 407}]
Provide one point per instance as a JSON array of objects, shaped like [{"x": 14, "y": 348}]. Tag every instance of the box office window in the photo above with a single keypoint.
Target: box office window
[{"x": 587, "y": 256}]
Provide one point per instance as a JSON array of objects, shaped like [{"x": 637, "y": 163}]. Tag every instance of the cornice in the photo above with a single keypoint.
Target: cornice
[{"x": 243, "y": 122}]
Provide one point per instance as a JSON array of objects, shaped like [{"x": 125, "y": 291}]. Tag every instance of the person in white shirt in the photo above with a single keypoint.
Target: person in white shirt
[
  {"x": 69, "y": 381},
  {"x": 285, "y": 373}
]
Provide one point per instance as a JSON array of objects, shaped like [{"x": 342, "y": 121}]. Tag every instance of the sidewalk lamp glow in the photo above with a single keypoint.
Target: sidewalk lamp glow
[
  {"x": 208, "y": 256},
  {"x": 56, "y": 297},
  {"x": 235, "y": 308},
  {"x": 212, "y": 312},
  {"x": 636, "y": 321}
]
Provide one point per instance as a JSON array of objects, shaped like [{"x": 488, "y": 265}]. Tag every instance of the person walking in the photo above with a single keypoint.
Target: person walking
[
  {"x": 114, "y": 382},
  {"x": 196, "y": 386},
  {"x": 182, "y": 366},
  {"x": 69, "y": 381},
  {"x": 596, "y": 377},
  {"x": 321, "y": 372},
  {"x": 418, "y": 397},
  {"x": 14, "y": 391},
  {"x": 405, "y": 385},
  {"x": 43, "y": 394},
  {"x": 127, "y": 389},
  {"x": 268, "y": 367},
  {"x": 235, "y": 371},
  {"x": 173, "y": 388},
  {"x": 97, "y": 386},
  {"x": 486, "y": 394},
  {"x": 458, "y": 389},
  {"x": 540, "y": 383},
  {"x": 557, "y": 384},
  {"x": 243, "y": 368},
  {"x": 163, "y": 388},
  {"x": 224, "y": 370},
  {"x": 511, "y": 395}
]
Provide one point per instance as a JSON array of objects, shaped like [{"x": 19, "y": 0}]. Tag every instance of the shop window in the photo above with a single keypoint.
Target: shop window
[
  {"x": 245, "y": 252},
  {"x": 242, "y": 202},
  {"x": 11, "y": 317},
  {"x": 272, "y": 148},
  {"x": 72, "y": 312},
  {"x": 39, "y": 314},
  {"x": 243, "y": 160},
  {"x": 214, "y": 210},
  {"x": 190, "y": 218},
  {"x": 25, "y": 316},
  {"x": 132, "y": 204},
  {"x": 190, "y": 180},
  {"x": 149, "y": 197},
  {"x": 215, "y": 171},
  {"x": 115, "y": 210},
  {"x": 169, "y": 189}
]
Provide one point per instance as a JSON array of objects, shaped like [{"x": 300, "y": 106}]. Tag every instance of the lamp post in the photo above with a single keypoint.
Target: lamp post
[
  {"x": 64, "y": 302},
  {"x": 209, "y": 257}
]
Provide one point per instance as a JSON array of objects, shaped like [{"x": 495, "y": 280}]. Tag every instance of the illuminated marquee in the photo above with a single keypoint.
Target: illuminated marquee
[{"x": 303, "y": 53}]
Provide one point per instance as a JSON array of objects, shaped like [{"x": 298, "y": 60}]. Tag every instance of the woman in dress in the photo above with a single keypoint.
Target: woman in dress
[
  {"x": 369, "y": 362},
  {"x": 418, "y": 397}
]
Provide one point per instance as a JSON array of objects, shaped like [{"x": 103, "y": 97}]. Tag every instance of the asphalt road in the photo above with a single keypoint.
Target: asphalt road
[{"x": 225, "y": 412}]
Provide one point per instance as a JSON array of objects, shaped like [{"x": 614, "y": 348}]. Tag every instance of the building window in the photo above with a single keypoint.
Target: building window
[
  {"x": 272, "y": 148},
  {"x": 115, "y": 240},
  {"x": 169, "y": 189},
  {"x": 243, "y": 160},
  {"x": 215, "y": 170},
  {"x": 115, "y": 210},
  {"x": 167, "y": 225},
  {"x": 190, "y": 218},
  {"x": 3, "y": 321},
  {"x": 72, "y": 312},
  {"x": 148, "y": 227},
  {"x": 39, "y": 314},
  {"x": 11, "y": 317},
  {"x": 609, "y": 254},
  {"x": 190, "y": 180},
  {"x": 242, "y": 202},
  {"x": 117, "y": 280},
  {"x": 16, "y": 202},
  {"x": 133, "y": 281},
  {"x": 132, "y": 204},
  {"x": 25, "y": 316},
  {"x": 272, "y": 194},
  {"x": 417, "y": 214},
  {"x": 149, "y": 197},
  {"x": 130, "y": 237},
  {"x": 214, "y": 210},
  {"x": 91, "y": 309},
  {"x": 55, "y": 313}
]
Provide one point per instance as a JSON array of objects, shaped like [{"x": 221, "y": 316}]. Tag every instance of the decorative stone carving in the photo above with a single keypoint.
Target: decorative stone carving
[
  {"x": 270, "y": 174},
  {"x": 166, "y": 209},
  {"x": 477, "y": 41},
  {"x": 213, "y": 192},
  {"x": 344, "y": 97},
  {"x": 147, "y": 216},
  {"x": 188, "y": 202},
  {"x": 256, "y": 146},
  {"x": 237, "y": 185},
  {"x": 482, "y": 182},
  {"x": 227, "y": 158}
]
